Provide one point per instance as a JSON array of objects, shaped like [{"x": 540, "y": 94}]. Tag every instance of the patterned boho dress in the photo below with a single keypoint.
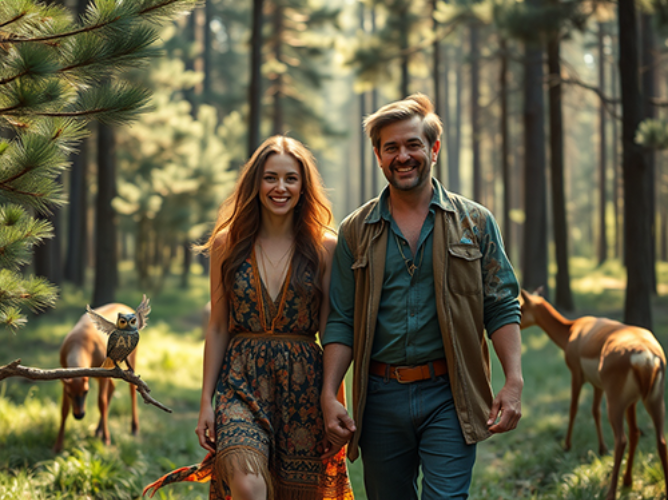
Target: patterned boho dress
[{"x": 267, "y": 401}]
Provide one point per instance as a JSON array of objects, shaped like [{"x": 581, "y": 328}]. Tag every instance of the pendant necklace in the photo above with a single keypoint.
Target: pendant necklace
[{"x": 412, "y": 267}]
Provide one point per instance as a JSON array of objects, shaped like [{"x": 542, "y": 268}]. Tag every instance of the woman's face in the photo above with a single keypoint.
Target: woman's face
[{"x": 281, "y": 184}]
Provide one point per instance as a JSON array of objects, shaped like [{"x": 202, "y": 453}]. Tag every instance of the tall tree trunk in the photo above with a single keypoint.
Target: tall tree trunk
[
  {"x": 455, "y": 178},
  {"x": 106, "y": 260},
  {"x": 363, "y": 149},
  {"x": 47, "y": 255},
  {"x": 534, "y": 262},
  {"x": 637, "y": 180},
  {"x": 602, "y": 155},
  {"x": 436, "y": 78},
  {"x": 563, "y": 296},
  {"x": 206, "y": 51},
  {"x": 447, "y": 119},
  {"x": 255, "y": 86},
  {"x": 505, "y": 144},
  {"x": 77, "y": 236},
  {"x": 77, "y": 210},
  {"x": 278, "y": 120},
  {"x": 618, "y": 189},
  {"x": 475, "y": 109},
  {"x": 403, "y": 41},
  {"x": 648, "y": 74},
  {"x": 363, "y": 112}
]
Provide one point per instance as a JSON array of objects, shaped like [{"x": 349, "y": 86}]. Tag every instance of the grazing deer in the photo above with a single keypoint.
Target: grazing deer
[
  {"x": 624, "y": 362},
  {"x": 85, "y": 346}
]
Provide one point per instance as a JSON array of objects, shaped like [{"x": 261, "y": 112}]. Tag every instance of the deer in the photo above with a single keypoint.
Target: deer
[
  {"x": 624, "y": 362},
  {"x": 86, "y": 347}
]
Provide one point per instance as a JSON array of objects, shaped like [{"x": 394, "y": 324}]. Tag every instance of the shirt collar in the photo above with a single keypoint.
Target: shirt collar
[{"x": 439, "y": 199}]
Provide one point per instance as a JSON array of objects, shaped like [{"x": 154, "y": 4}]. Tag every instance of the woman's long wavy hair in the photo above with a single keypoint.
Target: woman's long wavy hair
[{"x": 241, "y": 215}]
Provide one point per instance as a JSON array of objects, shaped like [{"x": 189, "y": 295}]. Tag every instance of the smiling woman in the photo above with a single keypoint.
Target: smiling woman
[{"x": 271, "y": 254}]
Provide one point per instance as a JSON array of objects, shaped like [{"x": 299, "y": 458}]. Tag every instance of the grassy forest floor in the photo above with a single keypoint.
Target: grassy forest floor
[{"x": 529, "y": 463}]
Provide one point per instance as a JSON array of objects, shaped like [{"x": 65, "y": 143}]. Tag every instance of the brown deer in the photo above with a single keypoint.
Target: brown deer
[
  {"x": 624, "y": 362},
  {"x": 84, "y": 347}
]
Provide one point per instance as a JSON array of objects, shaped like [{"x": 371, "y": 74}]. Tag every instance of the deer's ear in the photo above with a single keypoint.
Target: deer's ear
[{"x": 539, "y": 291}]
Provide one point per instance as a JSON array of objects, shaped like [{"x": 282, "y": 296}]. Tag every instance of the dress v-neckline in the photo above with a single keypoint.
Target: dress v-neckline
[
  {"x": 278, "y": 303},
  {"x": 263, "y": 285}
]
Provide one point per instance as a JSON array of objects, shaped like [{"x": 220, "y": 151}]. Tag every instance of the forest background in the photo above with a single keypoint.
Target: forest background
[{"x": 553, "y": 118}]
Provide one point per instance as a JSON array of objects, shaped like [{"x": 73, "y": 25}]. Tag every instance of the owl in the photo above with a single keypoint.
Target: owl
[{"x": 123, "y": 335}]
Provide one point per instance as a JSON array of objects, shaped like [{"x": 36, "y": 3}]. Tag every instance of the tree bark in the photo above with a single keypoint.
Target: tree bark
[
  {"x": 505, "y": 141},
  {"x": 637, "y": 180},
  {"x": 563, "y": 296},
  {"x": 534, "y": 261},
  {"x": 436, "y": 78},
  {"x": 648, "y": 75},
  {"x": 602, "y": 155},
  {"x": 474, "y": 57},
  {"x": 278, "y": 80},
  {"x": 206, "y": 51},
  {"x": 454, "y": 177},
  {"x": 403, "y": 41},
  {"x": 106, "y": 260},
  {"x": 255, "y": 87},
  {"x": 77, "y": 210}
]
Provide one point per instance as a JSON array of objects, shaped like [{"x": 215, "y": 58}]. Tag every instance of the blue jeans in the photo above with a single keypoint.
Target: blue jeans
[{"x": 411, "y": 425}]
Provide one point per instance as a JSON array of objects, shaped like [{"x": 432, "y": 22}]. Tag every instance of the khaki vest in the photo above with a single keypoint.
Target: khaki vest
[{"x": 459, "y": 297}]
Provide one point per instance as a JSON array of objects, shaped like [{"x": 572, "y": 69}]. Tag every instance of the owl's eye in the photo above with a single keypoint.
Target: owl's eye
[
  {"x": 133, "y": 321},
  {"x": 121, "y": 322}
]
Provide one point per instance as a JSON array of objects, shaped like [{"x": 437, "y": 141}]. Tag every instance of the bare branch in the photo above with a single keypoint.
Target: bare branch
[{"x": 14, "y": 369}]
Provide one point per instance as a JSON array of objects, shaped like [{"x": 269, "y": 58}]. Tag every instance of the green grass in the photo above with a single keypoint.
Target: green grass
[{"x": 529, "y": 463}]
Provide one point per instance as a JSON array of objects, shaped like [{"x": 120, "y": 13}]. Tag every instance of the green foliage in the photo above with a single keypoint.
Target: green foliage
[
  {"x": 173, "y": 165},
  {"x": 653, "y": 134},
  {"x": 530, "y": 23},
  {"x": 56, "y": 73}
]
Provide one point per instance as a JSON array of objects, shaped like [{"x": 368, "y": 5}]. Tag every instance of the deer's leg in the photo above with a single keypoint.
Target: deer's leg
[
  {"x": 104, "y": 397},
  {"x": 133, "y": 403},
  {"x": 655, "y": 407},
  {"x": 576, "y": 387},
  {"x": 634, "y": 434},
  {"x": 616, "y": 416},
  {"x": 596, "y": 412},
  {"x": 64, "y": 412}
]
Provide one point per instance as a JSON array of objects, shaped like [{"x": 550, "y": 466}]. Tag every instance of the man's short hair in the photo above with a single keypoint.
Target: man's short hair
[{"x": 413, "y": 105}]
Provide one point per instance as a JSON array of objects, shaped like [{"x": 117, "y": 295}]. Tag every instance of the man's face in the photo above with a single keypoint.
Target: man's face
[{"x": 404, "y": 154}]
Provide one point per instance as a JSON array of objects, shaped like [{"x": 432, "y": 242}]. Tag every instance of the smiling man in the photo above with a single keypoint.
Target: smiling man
[{"x": 419, "y": 273}]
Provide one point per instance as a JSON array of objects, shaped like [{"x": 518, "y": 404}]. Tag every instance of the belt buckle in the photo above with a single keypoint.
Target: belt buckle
[{"x": 398, "y": 376}]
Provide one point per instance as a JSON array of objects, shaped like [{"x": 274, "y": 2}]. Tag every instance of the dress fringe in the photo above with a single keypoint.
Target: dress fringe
[{"x": 246, "y": 461}]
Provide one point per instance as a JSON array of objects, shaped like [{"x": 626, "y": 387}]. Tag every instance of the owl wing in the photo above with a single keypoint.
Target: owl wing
[
  {"x": 100, "y": 322},
  {"x": 142, "y": 312}
]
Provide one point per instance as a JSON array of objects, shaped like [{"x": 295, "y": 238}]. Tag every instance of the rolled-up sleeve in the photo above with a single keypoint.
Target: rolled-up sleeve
[
  {"x": 501, "y": 289},
  {"x": 339, "y": 327}
]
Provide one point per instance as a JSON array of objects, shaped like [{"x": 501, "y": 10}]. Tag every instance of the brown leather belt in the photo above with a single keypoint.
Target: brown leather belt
[{"x": 408, "y": 374}]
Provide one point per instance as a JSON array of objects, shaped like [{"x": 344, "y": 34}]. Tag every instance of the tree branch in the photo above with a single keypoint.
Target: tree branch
[{"x": 14, "y": 369}]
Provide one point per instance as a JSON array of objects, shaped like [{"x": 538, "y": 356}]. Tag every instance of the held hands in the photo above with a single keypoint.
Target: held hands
[
  {"x": 508, "y": 404},
  {"x": 339, "y": 427},
  {"x": 206, "y": 430}
]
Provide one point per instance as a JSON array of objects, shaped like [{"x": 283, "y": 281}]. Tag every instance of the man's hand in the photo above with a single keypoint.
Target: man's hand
[
  {"x": 508, "y": 403},
  {"x": 339, "y": 427}
]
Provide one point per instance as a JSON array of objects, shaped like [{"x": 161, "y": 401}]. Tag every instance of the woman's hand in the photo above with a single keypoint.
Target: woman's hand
[{"x": 206, "y": 429}]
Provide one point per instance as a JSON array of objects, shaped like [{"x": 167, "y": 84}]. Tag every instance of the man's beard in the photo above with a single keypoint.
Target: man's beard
[{"x": 420, "y": 169}]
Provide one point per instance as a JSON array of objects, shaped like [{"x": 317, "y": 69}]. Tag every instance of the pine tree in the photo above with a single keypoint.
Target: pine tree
[{"x": 56, "y": 74}]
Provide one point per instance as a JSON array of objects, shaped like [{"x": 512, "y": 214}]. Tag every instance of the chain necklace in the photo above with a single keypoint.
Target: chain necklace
[
  {"x": 412, "y": 267},
  {"x": 264, "y": 256}
]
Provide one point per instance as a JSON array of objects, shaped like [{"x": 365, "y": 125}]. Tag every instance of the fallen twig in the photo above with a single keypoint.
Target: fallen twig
[{"x": 14, "y": 369}]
